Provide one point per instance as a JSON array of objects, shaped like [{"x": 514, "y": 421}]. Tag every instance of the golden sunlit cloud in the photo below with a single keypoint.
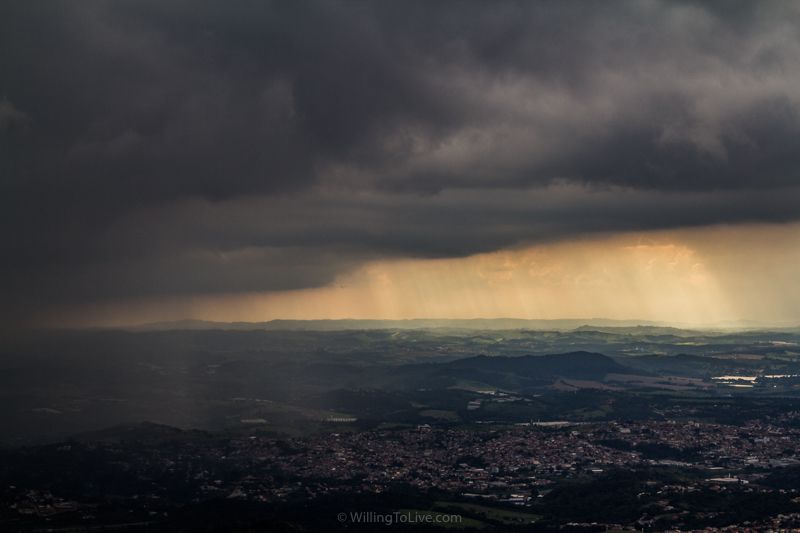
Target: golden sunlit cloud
[{"x": 699, "y": 276}]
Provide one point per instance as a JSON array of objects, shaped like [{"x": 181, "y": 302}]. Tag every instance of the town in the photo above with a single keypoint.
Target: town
[{"x": 523, "y": 466}]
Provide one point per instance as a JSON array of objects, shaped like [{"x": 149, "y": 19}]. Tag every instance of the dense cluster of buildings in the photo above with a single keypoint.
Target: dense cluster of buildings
[
  {"x": 508, "y": 462},
  {"x": 489, "y": 464}
]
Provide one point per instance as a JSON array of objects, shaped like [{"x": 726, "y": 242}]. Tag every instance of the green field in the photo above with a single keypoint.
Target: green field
[
  {"x": 493, "y": 514},
  {"x": 420, "y": 516}
]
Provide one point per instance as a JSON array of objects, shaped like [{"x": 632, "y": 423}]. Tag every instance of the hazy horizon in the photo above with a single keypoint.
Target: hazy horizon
[
  {"x": 474, "y": 323},
  {"x": 691, "y": 277}
]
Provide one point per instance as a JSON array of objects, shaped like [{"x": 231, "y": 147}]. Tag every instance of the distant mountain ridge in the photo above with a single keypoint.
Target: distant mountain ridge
[
  {"x": 413, "y": 323},
  {"x": 608, "y": 325}
]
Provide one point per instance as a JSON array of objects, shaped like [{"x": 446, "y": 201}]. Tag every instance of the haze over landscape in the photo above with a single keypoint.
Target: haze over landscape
[{"x": 352, "y": 265}]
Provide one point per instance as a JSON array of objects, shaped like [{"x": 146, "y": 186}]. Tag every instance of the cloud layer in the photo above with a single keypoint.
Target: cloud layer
[{"x": 152, "y": 148}]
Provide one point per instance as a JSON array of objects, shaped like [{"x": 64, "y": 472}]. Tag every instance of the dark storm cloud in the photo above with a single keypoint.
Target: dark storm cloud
[{"x": 329, "y": 133}]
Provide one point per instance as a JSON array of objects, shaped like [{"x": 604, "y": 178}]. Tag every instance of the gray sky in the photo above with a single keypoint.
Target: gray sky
[{"x": 165, "y": 149}]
